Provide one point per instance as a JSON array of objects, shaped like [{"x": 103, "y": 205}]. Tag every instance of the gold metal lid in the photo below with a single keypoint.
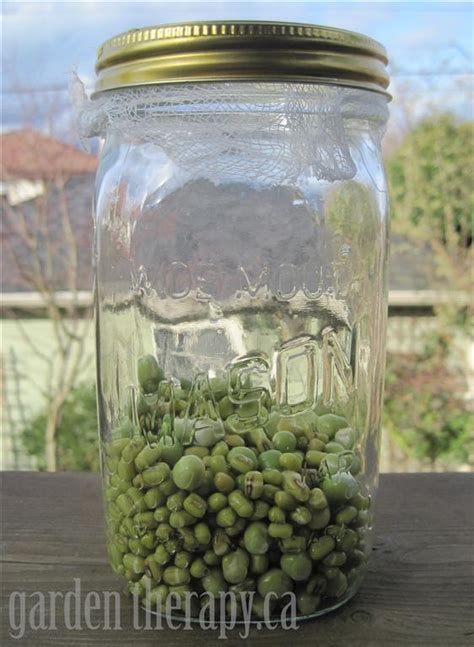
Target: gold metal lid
[{"x": 241, "y": 51}]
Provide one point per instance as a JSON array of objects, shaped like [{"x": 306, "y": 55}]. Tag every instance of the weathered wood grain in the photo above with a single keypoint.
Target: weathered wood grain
[{"x": 419, "y": 589}]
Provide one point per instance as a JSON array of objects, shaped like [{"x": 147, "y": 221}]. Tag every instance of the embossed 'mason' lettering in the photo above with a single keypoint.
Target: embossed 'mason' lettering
[{"x": 208, "y": 281}]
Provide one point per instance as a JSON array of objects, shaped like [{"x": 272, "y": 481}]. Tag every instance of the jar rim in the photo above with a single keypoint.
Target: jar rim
[{"x": 241, "y": 51}]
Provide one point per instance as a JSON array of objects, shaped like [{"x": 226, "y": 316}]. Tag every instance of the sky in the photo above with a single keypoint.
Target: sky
[{"x": 430, "y": 44}]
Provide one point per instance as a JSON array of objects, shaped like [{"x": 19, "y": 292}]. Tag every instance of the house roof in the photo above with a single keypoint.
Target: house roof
[{"x": 28, "y": 154}]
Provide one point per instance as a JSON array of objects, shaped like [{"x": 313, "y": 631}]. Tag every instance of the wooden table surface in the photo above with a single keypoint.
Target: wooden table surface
[{"x": 419, "y": 589}]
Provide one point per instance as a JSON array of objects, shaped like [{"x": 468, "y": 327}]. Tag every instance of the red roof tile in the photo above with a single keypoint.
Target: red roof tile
[{"x": 31, "y": 155}]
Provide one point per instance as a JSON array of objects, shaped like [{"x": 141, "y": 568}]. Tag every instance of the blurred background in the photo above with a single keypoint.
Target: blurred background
[{"x": 47, "y": 345}]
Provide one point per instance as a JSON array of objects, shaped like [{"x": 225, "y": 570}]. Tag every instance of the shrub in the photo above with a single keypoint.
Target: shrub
[
  {"x": 77, "y": 437},
  {"x": 424, "y": 408}
]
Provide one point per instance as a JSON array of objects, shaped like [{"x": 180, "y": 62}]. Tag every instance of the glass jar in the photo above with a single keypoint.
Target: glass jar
[{"x": 241, "y": 242}]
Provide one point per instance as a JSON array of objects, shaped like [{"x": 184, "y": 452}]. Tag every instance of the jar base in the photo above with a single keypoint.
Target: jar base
[{"x": 261, "y": 623}]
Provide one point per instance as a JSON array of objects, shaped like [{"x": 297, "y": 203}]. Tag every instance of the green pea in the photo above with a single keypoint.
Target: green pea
[
  {"x": 200, "y": 452},
  {"x": 217, "y": 501},
  {"x": 268, "y": 493},
  {"x": 181, "y": 518},
  {"x": 294, "y": 484},
  {"x": 240, "y": 504},
  {"x": 301, "y": 516},
  {"x": 276, "y": 515},
  {"x": 207, "y": 486},
  {"x": 119, "y": 484},
  {"x": 320, "y": 548},
  {"x": 175, "y": 502},
  {"x": 294, "y": 544},
  {"x": 135, "y": 547},
  {"x": 133, "y": 448},
  {"x": 256, "y": 538},
  {"x": 249, "y": 584},
  {"x": 134, "y": 563},
  {"x": 157, "y": 596},
  {"x": 320, "y": 519},
  {"x": 125, "y": 471},
  {"x": 164, "y": 531},
  {"x": 280, "y": 530},
  {"x": 334, "y": 448},
  {"x": 220, "y": 449},
  {"x": 226, "y": 517},
  {"x": 292, "y": 462},
  {"x": 116, "y": 446},
  {"x": 173, "y": 545},
  {"x": 226, "y": 408},
  {"x": 314, "y": 457},
  {"x": 195, "y": 505},
  {"x": 346, "y": 515},
  {"x": 253, "y": 484},
  {"x": 346, "y": 437},
  {"x": 172, "y": 450},
  {"x": 317, "y": 499},
  {"x": 220, "y": 542},
  {"x": 188, "y": 539},
  {"x": 360, "y": 501},
  {"x": 258, "y": 564},
  {"x": 153, "y": 569},
  {"x": 317, "y": 444},
  {"x": 156, "y": 474},
  {"x": 235, "y": 566},
  {"x": 199, "y": 568},
  {"x": 339, "y": 488},
  {"x": 211, "y": 559},
  {"x": 336, "y": 558},
  {"x": 168, "y": 487},
  {"x": 284, "y": 441},
  {"x": 214, "y": 582},
  {"x": 274, "y": 581},
  {"x": 337, "y": 585},
  {"x": 145, "y": 520},
  {"x": 149, "y": 373},
  {"x": 217, "y": 464},
  {"x": 124, "y": 503},
  {"x": 189, "y": 473},
  {"x": 316, "y": 584},
  {"x": 154, "y": 498},
  {"x": 161, "y": 514},
  {"x": 261, "y": 509},
  {"x": 234, "y": 440},
  {"x": 237, "y": 527},
  {"x": 307, "y": 603},
  {"x": 329, "y": 423},
  {"x": 298, "y": 566},
  {"x": 285, "y": 501},
  {"x": 148, "y": 456},
  {"x": 274, "y": 477},
  {"x": 271, "y": 425},
  {"x": 202, "y": 533},
  {"x": 224, "y": 482},
  {"x": 172, "y": 575},
  {"x": 242, "y": 459},
  {"x": 270, "y": 459},
  {"x": 348, "y": 541}
]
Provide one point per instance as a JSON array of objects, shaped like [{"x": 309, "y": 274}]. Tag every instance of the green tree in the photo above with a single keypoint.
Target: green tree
[
  {"x": 77, "y": 437},
  {"x": 431, "y": 188}
]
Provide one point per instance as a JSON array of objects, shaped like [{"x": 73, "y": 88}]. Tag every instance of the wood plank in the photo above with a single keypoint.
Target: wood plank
[{"x": 418, "y": 591}]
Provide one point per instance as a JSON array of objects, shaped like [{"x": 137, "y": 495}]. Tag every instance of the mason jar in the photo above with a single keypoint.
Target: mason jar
[{"x": 241, "y": 300}]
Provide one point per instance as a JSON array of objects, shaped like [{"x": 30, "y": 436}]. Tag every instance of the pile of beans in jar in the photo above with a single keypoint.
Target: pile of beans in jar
[{"x": 203, "y": 505}]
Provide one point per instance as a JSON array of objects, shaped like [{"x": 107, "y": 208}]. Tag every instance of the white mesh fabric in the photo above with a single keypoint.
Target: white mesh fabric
[{"x": 270, "y": 132}]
